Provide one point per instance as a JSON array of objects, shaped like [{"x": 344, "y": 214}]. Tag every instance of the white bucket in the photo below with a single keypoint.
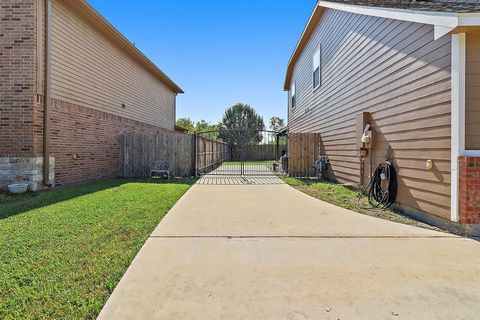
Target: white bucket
[{"x": 18, "y": 187}]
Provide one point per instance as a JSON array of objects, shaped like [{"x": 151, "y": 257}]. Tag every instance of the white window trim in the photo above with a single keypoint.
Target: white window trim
[
  {"x": 458, "y": 117},
  {"x": 293, "y": 93},
  {"x": 319, "y": 51}
]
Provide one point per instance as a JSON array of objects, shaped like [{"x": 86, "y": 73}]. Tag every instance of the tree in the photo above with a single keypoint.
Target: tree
[
  {"x": 241, "y": 125},
  {"x": 199, "y": 126},
  {"x": 204, "y": 126},
  {"x": 186, "y": 123},
  {"x": 276, "y": 123}
]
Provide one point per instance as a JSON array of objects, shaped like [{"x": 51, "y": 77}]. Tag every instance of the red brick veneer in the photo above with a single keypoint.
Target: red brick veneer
[
  {"x": 469, "y": 190},
  {"x": 17, "y": 74},
  {"x": 85, "y": 142}
]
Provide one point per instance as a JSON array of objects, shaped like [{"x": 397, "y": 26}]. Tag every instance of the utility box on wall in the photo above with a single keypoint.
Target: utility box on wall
[{"x": 363, "y": 119}]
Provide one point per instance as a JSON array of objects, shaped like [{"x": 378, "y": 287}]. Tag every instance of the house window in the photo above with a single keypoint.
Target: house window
[
  {"x": 293, "y": 95},
  {"x": 317, "y": 69}
]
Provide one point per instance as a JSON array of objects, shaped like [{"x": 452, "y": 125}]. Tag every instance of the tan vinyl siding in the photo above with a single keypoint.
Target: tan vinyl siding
[
  {"x": 89, "y": 70},
  {"x": 472, "y": 92},
  {"x": 397, "y": 72}
]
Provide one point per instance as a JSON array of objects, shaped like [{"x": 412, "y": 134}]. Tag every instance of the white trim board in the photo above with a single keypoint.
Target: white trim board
[
  {"x": 470, "y": 153},
  {"x": 458, "y": 116},
  {"x": 443, "y": 22}
]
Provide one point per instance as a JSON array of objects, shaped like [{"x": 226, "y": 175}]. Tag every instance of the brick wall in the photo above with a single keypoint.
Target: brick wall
[
  {"x": 85, "y": 142},
  {"x": 469, "y": 168},
  {"x": 18, "y": 78}
]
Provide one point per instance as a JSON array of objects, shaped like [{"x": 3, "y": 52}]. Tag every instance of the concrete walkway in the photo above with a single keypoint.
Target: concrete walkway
[{"x": 270, "y": 252}]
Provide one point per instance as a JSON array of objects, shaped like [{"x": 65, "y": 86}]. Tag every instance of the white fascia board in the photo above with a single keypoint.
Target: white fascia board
[
  {"x": 303, "y": 32},
  {"x": 444, "y": 22},
  {"x": 468, "y": 19},
  {"x": 446, "y": 19}
]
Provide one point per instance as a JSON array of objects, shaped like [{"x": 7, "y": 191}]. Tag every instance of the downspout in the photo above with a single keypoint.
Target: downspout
[{"x": 47, "y": 102}]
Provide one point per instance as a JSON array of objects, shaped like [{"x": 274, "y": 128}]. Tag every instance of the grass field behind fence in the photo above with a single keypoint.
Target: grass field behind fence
[{"x": 248, "y": 163}]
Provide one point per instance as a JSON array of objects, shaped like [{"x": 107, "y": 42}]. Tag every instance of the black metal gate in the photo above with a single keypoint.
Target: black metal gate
[{"x": 242, "y": 152}]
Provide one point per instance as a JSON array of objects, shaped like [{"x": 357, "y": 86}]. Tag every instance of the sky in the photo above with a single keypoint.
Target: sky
[{"x": 219, "y": 52}]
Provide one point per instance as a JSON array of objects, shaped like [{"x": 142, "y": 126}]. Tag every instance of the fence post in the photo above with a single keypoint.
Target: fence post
[
  {"x": 276, "y": 147},
  {"x": 195, "y": 134},
  {"x": 205, "y": 152}
]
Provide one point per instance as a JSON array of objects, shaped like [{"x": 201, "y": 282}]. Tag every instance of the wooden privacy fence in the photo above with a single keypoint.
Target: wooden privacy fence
[
  {"x": 210, "y": 153},
  {"x": 140, "y": 150},
  {"x": 303, "y": 151}
]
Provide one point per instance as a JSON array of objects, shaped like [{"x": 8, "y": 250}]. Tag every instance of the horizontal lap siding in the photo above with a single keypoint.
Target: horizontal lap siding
[
  {"x": 89, "y": 70},
  {"x": 397, "y": 72},
  {"x": 472, "y": 99}
]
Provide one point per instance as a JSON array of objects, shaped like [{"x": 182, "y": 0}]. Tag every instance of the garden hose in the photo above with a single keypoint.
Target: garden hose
[{"x": 382, "y": 188}]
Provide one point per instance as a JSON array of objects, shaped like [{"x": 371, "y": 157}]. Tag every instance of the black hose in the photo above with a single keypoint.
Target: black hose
[{"x": 382, "y": 188}]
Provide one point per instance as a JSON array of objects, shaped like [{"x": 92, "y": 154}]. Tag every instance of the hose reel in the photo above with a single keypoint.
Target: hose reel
[{"x": 383, "y": 186}]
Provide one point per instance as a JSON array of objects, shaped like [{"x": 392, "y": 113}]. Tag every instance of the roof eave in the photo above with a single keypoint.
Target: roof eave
[
  {"x": 443, "y": 22},
  {"x": 307, "y": 32}
]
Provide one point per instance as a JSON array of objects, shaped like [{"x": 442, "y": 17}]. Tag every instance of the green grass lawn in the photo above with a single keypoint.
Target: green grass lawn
[
  {"x": 62, "y": 252},
  {"x": 346, "y": 197}
]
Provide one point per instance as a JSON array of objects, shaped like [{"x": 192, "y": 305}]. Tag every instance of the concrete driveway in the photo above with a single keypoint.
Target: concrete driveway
[{"x": 272, "y": 252}]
